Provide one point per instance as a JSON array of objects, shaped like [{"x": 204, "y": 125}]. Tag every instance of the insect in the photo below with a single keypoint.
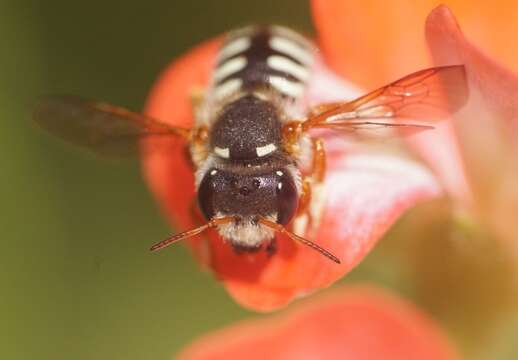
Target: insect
[{"x": 255, "y": 162}]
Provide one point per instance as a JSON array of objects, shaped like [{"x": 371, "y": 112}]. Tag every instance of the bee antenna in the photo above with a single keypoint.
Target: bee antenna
[
  {"x": 189, "y": 233},
  {"x": 280, "y": 228}
]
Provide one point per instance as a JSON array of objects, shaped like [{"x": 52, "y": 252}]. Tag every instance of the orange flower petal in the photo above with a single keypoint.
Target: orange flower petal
[
  {"x": 365, "y": 194},
  {"x": 353, "y": 323},
  {"x": 368, "y": 42},
  {"x": 495, "y": 85},
  {"x": 487, "y": 128},
  {"x": 373, "y": 43}
]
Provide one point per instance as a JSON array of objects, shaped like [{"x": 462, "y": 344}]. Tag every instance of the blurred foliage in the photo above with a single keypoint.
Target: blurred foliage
[
  {"x": 77, "y": 279},
  {"x": 461, "y": 273}
]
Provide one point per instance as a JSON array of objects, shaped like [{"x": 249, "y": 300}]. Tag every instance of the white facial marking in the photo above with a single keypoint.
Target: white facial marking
[
  {"x": 280, "y": 173},
  {"x": 229, "y": 67},
  {"x": 279, "y": 186},
  {"x": 228, "y": 88},
  {"x": 224, "y": 153},
  {"x": 265, "y": 150},
  {"x": 214, "y": 172},
  {"x": 286, "y": 86},
  {"x": 247, "y": 232},
  {"x": 234, "y": 47},
  {"x": 291, "y": 48},
  {"x": 286, "y": 65}
]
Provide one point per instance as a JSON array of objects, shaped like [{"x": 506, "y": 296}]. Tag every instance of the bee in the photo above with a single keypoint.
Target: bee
[{"x": 256, "y": 164}]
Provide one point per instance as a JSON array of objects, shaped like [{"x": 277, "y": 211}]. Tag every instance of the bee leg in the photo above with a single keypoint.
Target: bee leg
[
  {"x": 305, "y": 197},
  {"x": 311, "y": 187},
  {"x": 319, "y": 161},
  {"x": 271, "y": 248},
  {"x": 198, "y": 141},
  {"x": 316, "y": 175},
  {"x": 198, "y": 146}
]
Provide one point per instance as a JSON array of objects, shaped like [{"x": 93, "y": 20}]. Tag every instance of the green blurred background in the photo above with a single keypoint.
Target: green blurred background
[{"x": 76, "y": 278}]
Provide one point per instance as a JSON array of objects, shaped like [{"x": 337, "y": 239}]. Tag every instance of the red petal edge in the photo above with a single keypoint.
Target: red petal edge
[
  {"x": 350, "y": 323},
  {"x": 365, "y": 194}
]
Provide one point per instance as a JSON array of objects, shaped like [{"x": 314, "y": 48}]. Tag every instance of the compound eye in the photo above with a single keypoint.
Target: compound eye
[
  {"x": 287, "y": 198},
  {"x": 206, "y": 193}
]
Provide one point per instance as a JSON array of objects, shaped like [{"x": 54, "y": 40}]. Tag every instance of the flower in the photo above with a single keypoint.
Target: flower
[
  {"x": 351, "y": 323},
  {"x": 487, "y": 128},
  {"x": 468, "y": 258},
  {"x": 390, "y": 37},
  {"x": 366, "y": 193}
]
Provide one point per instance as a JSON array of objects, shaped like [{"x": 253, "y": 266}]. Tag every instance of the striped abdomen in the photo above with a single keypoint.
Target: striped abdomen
[{"x": 263, "y": 57}]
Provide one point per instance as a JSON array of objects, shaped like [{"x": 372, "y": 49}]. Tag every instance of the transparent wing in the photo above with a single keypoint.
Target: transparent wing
[
  {"x": 408, "y": 105},
  {"x": 105, "y": 129}
]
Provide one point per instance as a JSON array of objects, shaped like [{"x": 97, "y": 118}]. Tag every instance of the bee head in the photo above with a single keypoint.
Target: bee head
[{"x": 249, "y": 194}]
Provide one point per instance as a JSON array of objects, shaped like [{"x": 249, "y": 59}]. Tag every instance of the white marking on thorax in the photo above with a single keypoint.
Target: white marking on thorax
[
  {"x": 222, "y": 152},
  {"x": 286, "y": 65},
  {"x": 227, "y": 88},
  {"x": 291, "y": 48},
  {"x": 230, "y": 67},
  {"x": 265, "y": 150},
  {"x": 234, "y": 47},
  {"x": 286, "y": 86}
]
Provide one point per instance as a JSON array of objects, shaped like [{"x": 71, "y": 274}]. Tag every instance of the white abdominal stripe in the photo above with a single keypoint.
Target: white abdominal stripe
[
  {"x": 292, "y": 49},
  {"x": 284, "y": 64},
  {"x": 286, "y": 87},
  {"x": 230, "y": 67},
  {"x": 234, "y": 47},
  {"x": 228, "y": 88},
  {"x": 282, "y": 55}
]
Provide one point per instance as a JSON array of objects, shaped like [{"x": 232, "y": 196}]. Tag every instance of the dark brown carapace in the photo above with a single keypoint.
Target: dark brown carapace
[{"x": 250, "y": 140}]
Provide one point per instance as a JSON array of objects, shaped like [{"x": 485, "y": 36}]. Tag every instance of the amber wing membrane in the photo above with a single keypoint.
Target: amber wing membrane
[
  {"x": 411, "y": 104},
  {"x": 103, "y": 128}
]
